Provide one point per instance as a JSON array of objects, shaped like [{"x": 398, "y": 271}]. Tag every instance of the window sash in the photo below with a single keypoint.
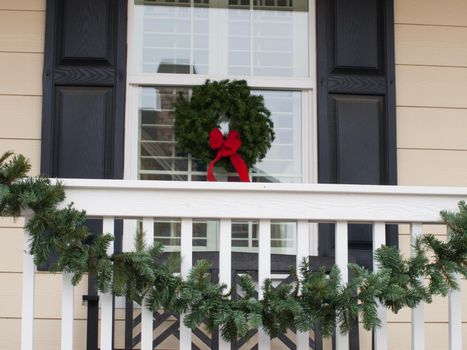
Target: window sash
[
  {"x": 307, "y": 86},
  {"x": 257, "y": 82},
  {"x": 218, "y": 53}
]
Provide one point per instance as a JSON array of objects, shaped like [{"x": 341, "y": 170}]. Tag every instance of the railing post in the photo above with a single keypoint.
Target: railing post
[
  {"x": 186, "y": 253},
  {"x": 303, "y": 251},
  {"x": 264, "y": 271},
  {"x": 341, "y": 253},
  {"x": 27, "y": 307},
  {"x": 418, "y": 314},
  {"x": 106, "y": 337},
  {"x": 146, "y": 314},
  {"x": 225, "y": 264},
  {"x": 455, "y": 318},
  {"x": 380, "y": 333}
]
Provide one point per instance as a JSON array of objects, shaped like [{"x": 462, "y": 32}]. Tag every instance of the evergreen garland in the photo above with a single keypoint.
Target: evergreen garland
[
  {"x": 216, "y": 102},
  {"x": 313, "y": 298}
]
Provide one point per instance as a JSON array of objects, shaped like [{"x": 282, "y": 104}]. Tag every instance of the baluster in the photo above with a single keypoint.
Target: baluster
[
  {"x": 303, "y": 247},
  {"x": 130, "y": 227},
  {"x": 264, "y": 271},
  {"x": 225, "y": 262},
  {"x": 380, "y": 333},
  {"x": 27, "y": 307},
  {"x": 418, "y": 326},
  {"x": 342, "y": 340},
  {"x": 67, "y": 312},
  {"x": 147, "y": 315},
  {"x": 106, "y": 339},
  {"x": 186, "y": 265},
  {"x": 455, "y": 318}
]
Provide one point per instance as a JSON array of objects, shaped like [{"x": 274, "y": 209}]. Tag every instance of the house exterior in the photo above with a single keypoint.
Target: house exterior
[{"x": 412, "y": 78}]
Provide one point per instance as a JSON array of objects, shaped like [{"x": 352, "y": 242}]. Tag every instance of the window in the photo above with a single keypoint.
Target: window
[{"x": 176, "y": 44}]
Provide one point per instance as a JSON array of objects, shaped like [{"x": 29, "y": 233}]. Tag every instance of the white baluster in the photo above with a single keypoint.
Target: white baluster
[
  {"x": 186, "y": 253},
  {"x": 264, "y": 271},
  {"x": 106, "y": 337},
  {"x": 147, "y": 315},
  {"x": 455, "y": 318},
  {"x": 418, "y": 325},
  {"x": 67, "y": 312},
  {"x": 129, "y": 232},
  {"x": 27, "y": 307},
  {"x": 225, "y": 263},
  {"x": 380, "y": 333},
  {"x": 342, "y": 340},
  {"x": 303, "y": 247}
]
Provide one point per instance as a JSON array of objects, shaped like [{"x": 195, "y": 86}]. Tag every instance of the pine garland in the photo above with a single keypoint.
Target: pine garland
[{"x": 313, "y": 298}]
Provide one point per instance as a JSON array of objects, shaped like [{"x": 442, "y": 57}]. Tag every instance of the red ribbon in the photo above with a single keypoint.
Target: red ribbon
[{"x": 227, "y": 148}]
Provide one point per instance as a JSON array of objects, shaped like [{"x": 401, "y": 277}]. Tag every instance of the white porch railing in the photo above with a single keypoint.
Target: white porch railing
[{"x": 340, "y": 204}]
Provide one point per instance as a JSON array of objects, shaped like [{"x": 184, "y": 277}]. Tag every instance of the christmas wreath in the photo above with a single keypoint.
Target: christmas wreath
[{"x": 215, "y": 104}]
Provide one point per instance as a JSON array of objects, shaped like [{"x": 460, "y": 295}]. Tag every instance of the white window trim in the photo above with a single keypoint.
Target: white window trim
[{"x": 306, "y": 85}]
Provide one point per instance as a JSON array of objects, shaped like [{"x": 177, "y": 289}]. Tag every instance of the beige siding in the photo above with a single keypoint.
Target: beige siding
[
  {"x": 23, "y": 38},
  {"x": 431, "y": 45},
  {"x": 431, "y": 85},
  {"x": 21, "y": 73},
  {"x": 21, "y": 60},
  {"x": 23, "y": 5},
  {"x": 431, "y": 78},
  {"x": 433, "y": 12}
]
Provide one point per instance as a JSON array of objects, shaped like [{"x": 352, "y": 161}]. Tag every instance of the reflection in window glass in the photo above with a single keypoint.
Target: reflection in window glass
[
  {"x": 236, "y": 37},
  {"x": 245, "y": 237},
  {"x": 206, "y": 236},
  {"x": 283, "y": 235},
  {"x": 159, "y": 158},
  {"x": 168, "y": 233}
]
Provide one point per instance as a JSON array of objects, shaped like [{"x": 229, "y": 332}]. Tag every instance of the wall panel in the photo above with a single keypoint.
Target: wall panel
[
  {"x": 432, "y": 167},
  {"x": 21, "y": 73},
  {"x": 431, "y": 45},
  {"x": 434, "y": 12},
  {"x": 432, "y": 128},
  {"x": 18, "y": 31},
  {"x": 17, "y": 112},
  {"x": 429, "y": 86},
  {"x": 27, "y": 5}
]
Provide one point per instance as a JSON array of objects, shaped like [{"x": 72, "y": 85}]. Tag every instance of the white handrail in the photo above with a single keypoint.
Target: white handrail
[{"x": 321, "y": 202}]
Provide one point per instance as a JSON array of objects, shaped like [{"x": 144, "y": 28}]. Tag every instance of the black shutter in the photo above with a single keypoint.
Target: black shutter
[
  {"x": 356, "y": 104},
  {"x": 84, "y": 89},
  {"x": 84, "y": 102}
]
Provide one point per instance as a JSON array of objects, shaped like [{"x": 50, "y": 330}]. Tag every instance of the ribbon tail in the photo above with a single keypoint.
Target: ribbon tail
[
  {"x": 211, "y": 176},
  {"x": 240, "y": 166}
]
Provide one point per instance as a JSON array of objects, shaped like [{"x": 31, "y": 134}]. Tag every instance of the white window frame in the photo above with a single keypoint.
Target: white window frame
[{"x": 307, "y": 87}]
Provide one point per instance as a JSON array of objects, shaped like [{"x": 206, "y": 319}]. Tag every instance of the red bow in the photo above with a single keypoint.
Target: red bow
[{"x": 227, "y": 148}]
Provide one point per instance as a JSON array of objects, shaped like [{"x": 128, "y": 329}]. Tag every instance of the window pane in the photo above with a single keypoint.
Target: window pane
[
  {"x": 236, "y": 37},
  {"x": 159, "y": 158},
  {"x": 283, "y": 236},
  {"x": 283, "y": 162}
]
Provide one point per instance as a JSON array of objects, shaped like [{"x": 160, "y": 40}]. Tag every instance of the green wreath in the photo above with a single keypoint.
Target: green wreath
[{"x": 217, "y": 102}]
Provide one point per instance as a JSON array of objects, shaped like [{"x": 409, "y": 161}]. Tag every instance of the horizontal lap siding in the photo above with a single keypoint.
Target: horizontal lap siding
[
  {"x": 431, "y": 85},
  {"x": 22, "y": 27},
  {"x": 431, "y": 78}
]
